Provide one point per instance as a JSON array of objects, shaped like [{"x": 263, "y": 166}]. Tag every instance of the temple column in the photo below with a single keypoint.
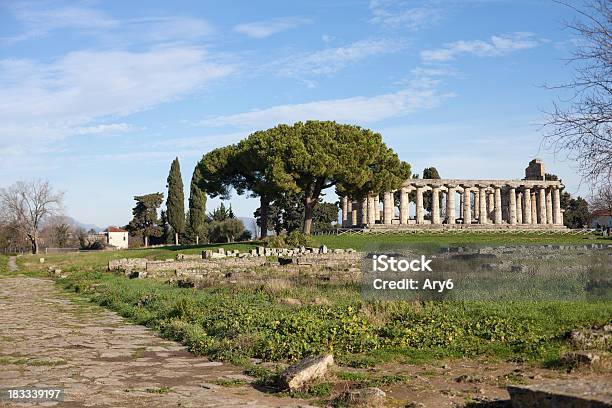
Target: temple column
[
  {"x": 476, "y": 205},
  {"x": 542, "y": 205},
  {"x": 419, "y": 206},
  {"x": 344, "y": 202},
  {"x": 364, "y": 211},
  {"x": 556, "y": 202},
  {"x": 404, "y": 205},
  {"x": 371, "y": 209},
  {"x": 534, "y": 208},
  {"x": 482, "y": 201},
  {"x": 467, "y": 205},
  {"x": 491, "y": 206},
  {"x": 519, "y": 208},
  {"x": 353, "y": 214},
  {"x": 387, "y": 207},
  {"x": 527, "y": 206},
  {"x": 512, "y": 206},
  {"x": 549, "y": 206},
  {"x": 377, "y": 205},
  {"x": 435, "y": 205},
  {"x": 450, "y": 205},
  {"x": 498, "y": 205}
]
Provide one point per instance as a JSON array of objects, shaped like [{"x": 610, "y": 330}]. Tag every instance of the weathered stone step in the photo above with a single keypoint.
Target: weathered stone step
[{"x": 566, "y": 394}]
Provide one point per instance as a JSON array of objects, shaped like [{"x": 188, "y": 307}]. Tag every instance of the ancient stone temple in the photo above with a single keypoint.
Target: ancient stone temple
[{"x": 530, "y": 203}]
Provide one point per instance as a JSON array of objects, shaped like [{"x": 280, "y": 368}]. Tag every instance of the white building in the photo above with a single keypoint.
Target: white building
[{"x": 117, "y": 237}]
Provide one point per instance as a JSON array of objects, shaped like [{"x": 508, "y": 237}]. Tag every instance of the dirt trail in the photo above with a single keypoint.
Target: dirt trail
[
  {"x": 48, "y": 340},
  {"x": 12, "y": 264}
]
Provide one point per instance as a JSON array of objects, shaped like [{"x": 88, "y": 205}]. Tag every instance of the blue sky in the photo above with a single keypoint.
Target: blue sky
[{"x": 99, "y": 97}]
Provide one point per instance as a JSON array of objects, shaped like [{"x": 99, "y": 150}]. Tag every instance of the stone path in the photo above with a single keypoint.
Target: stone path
[
  {"x": 49, "y": 340},
  {"x": 12, "y": 264}
]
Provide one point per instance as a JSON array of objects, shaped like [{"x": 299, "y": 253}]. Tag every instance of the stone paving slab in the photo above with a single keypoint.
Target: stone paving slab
[
  {"x": 562, "y": 394},
  {"x": 48, "y": 340}
]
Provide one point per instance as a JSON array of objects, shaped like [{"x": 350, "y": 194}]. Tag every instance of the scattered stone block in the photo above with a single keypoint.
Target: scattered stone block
[
  {"x": 592, "y": 338},
  {"x": 363, "y": 397},
  {"x": 574, "y": 393},
  {"x": 581, "y": 358},
  {"x": 307, "y": 370},
  {"x": 221, "y": 251},
  {"x": 323, "y": 249},
  {"x": 185, "y": 283}
]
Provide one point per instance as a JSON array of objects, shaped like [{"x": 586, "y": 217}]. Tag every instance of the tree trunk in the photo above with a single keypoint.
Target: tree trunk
[
  {"x": 311, "y": 197},
  {"x": 34, "y": 242},
  {"x": 176, "y": 240},
  {"x": 264, "y": 204},
  {"x": 308, "y": 210}
]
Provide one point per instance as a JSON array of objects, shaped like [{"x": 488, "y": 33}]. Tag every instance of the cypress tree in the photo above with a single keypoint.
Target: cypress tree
[
  {"x": 197, "y": 206},
  {"x": 175, "y": 204}
]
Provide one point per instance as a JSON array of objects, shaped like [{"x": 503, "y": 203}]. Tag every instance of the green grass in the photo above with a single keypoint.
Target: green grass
[
  {"x": 3, "y": 264},
  {"x": 29, "y": 362},
  {"x": 361, "y": 241},
  {"x": 235, "y": 323},
  {"x": 230, "y": 382}
]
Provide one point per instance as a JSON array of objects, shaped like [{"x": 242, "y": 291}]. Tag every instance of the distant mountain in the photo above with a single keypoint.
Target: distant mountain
[
  {"x": 86, "y": 227},
  {"x": 251, "y": 225}
]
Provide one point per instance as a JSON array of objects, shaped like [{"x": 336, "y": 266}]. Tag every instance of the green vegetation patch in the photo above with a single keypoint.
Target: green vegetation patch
[
  {"x": 230, "y": 382},
  {"x": 237, "y": 323},
  {"x": 361, "y": 241}
]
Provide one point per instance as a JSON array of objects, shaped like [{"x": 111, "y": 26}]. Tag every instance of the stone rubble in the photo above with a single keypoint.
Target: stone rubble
[{"x": 298, "y": 375}]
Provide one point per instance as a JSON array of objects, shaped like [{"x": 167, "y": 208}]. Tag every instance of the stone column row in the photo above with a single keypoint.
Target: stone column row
[{"x": 521, "y": 206}]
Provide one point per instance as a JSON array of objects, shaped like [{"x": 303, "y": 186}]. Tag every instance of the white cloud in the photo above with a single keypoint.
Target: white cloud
[
  {"x": 43, "y": 101},
  {"x": 39, "y": 21},
  {"x": 107, "y": 128},
  {"x": 496, "y": 46},
  {"x": 394, "y": 14},
  {"x": 359, "y": 109},
  {"x": 331, "y": 60},
  {"x": 263, "y": 29}
]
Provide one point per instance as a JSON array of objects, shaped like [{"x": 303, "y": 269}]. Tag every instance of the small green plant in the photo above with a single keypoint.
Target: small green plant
[
  {"x": 315, "y": 390},
  {"x": 230, "y": 382},
  {"x": 296, "y": 239},
  {"x": 275, "y": 241},
  {"x": 160, "y": 390}
]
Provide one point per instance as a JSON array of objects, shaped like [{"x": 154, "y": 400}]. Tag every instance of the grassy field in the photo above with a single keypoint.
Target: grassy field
[
  {"x": 359, "y": 241},
  {"x": 238, "y": 322},
  {"x": 3, "y": 264}
]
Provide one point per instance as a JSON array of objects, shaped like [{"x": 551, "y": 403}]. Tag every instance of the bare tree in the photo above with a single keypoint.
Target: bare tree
[
  {"x": 27, "y": 205},
  {"x": 602, "y": 199},
  {"x": 580, "y": 126}
]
